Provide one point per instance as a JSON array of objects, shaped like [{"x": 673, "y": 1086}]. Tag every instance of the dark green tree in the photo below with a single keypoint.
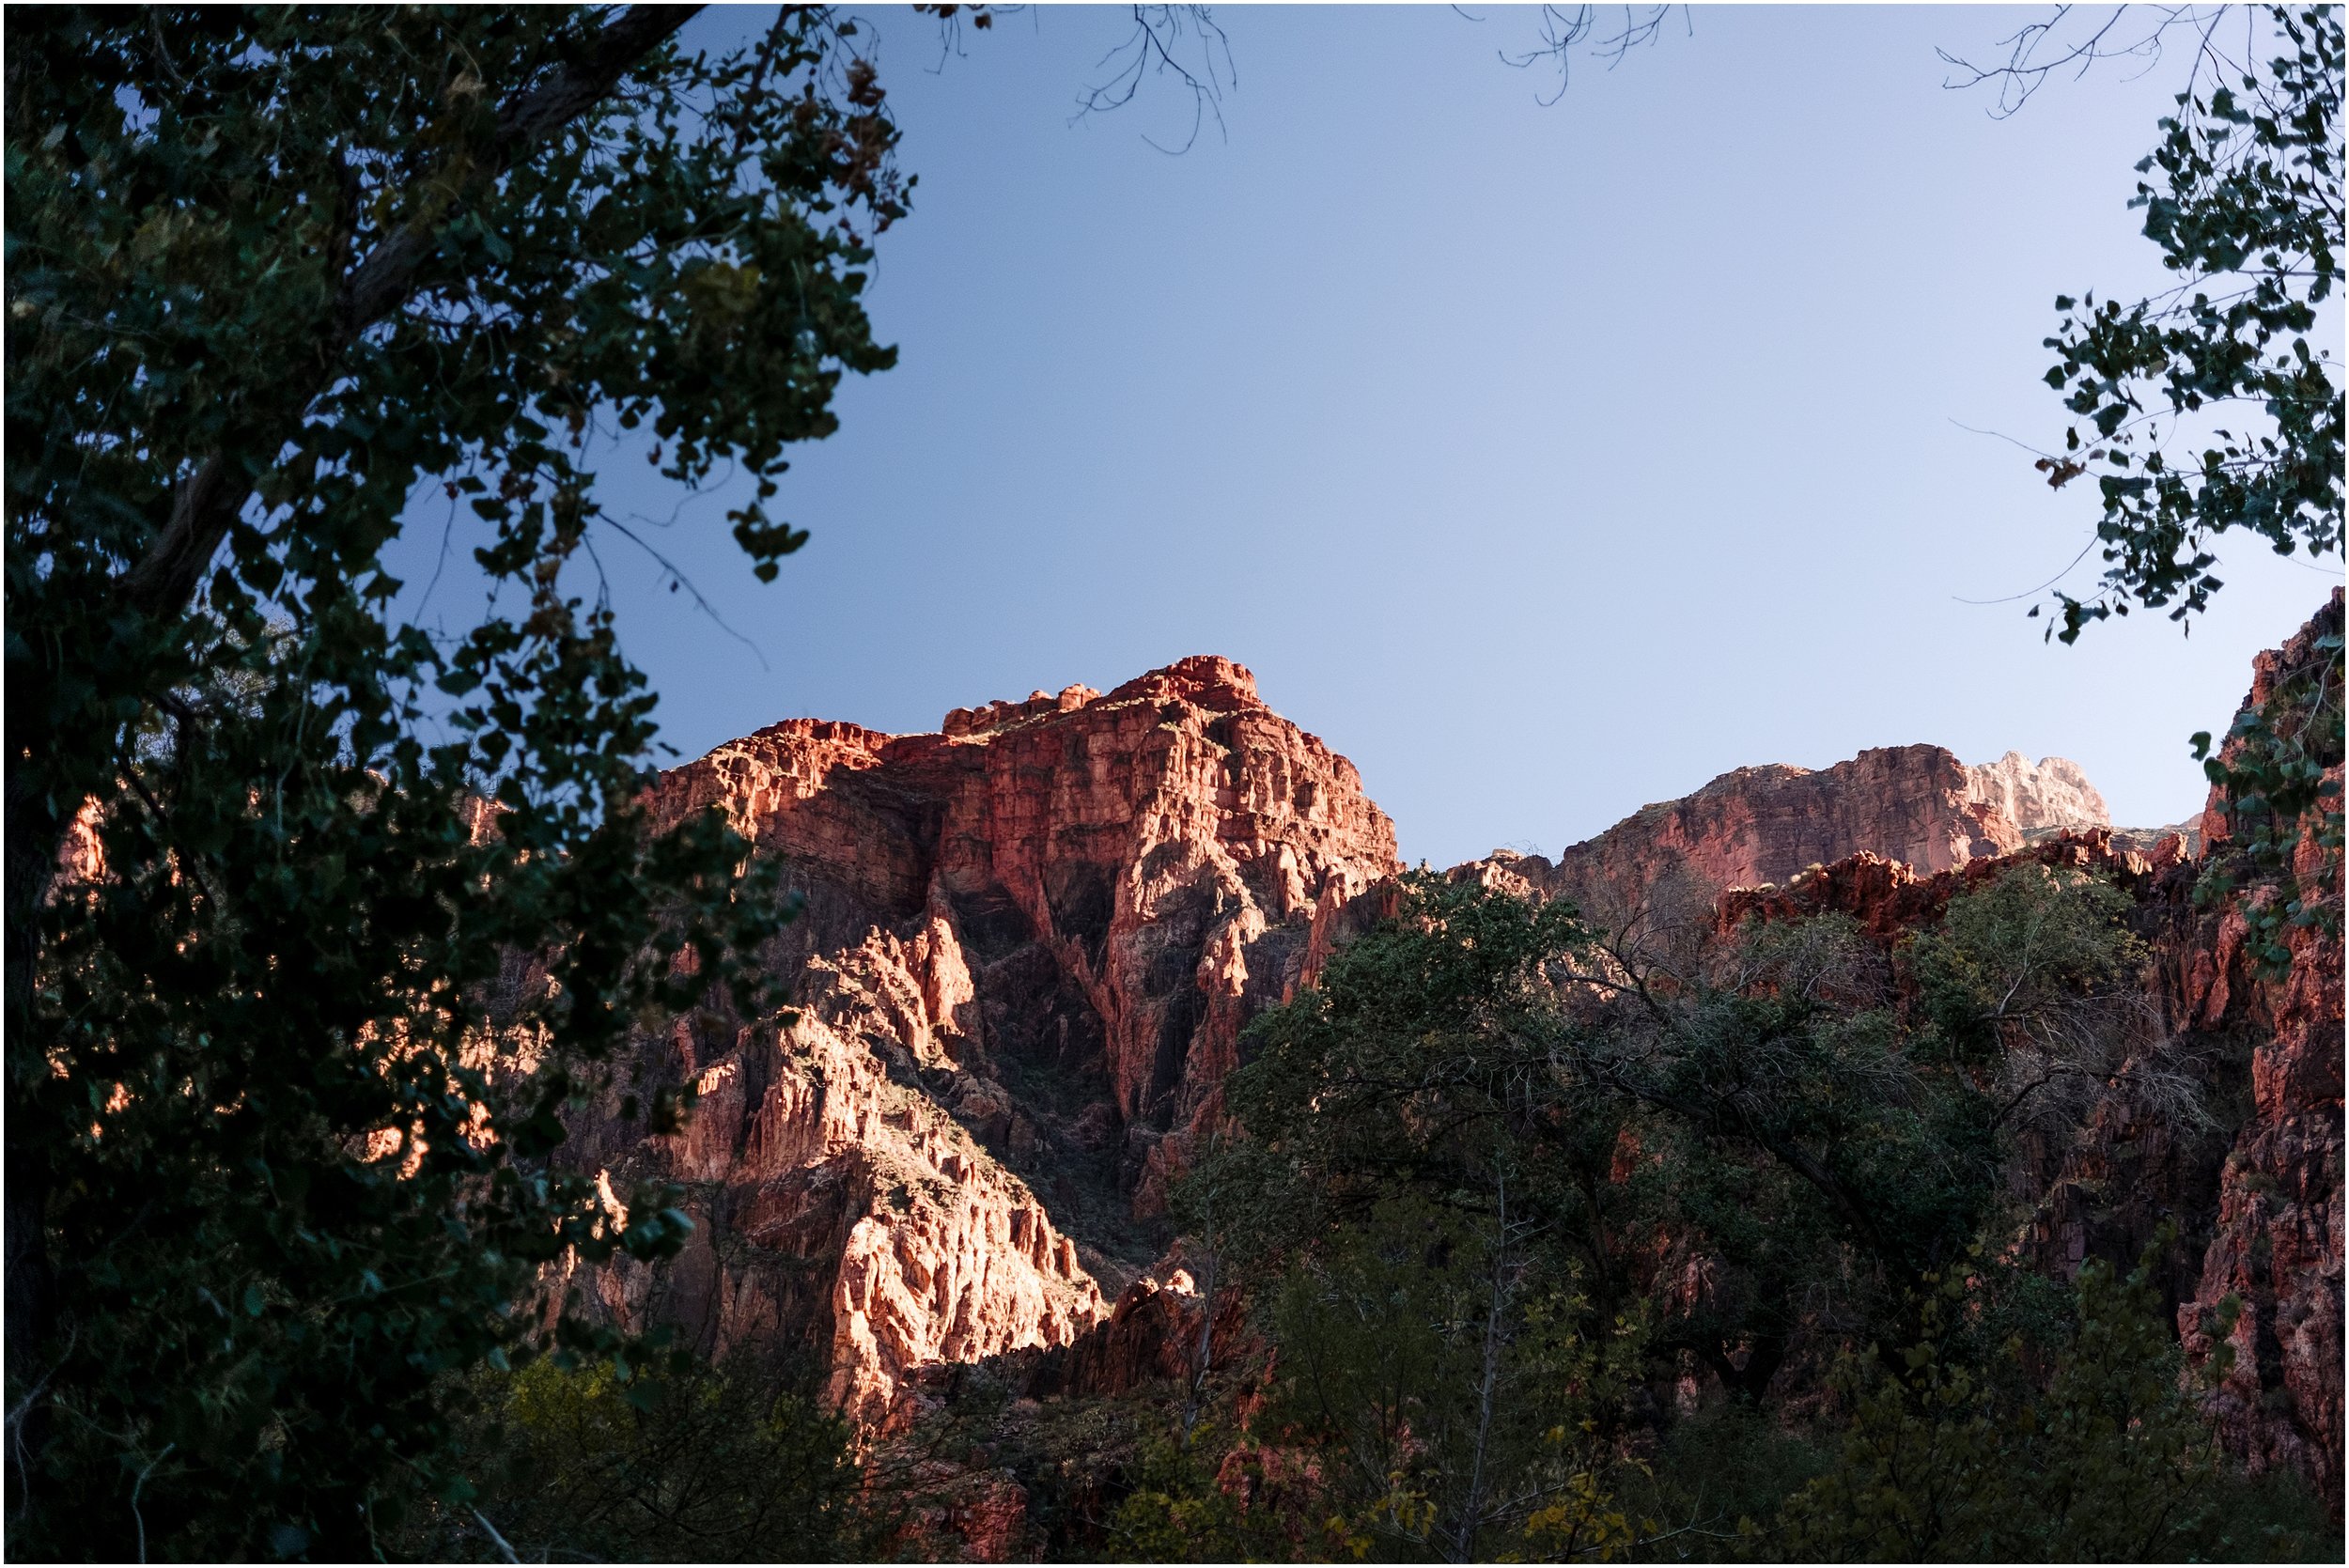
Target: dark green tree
[
  {"x": 1963, "y": 1455},
  {"x": 317, "y": 920},
  {"x": 735, "y": 1462},
  {"x": 1456, "y": 1337},
  {"x": 1510, "y": 1173}
]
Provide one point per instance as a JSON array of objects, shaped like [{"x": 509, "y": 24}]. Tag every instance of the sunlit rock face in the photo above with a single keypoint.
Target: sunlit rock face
[
  {"x": 1915, "y": 804},
  {"x": 1757, "y": 827},
  {"x": 1030, "y": 944},
  {"x": 2052, "y": 796}
]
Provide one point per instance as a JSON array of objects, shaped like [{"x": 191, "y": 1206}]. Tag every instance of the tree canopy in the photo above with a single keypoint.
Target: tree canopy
[{"x": 317, "y": 918}]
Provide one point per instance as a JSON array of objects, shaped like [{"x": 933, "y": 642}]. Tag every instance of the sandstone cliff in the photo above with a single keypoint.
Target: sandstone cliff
[
  {"x": 1028, "y": 944},
  {"x": 2054, "y": 796},
  {"x": 1917, "y": 804}
]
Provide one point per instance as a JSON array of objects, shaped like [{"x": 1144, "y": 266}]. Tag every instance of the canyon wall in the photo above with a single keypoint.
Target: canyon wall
[
  {"x": 1030, "y": 941},
  {"x": 2277, "y": 1243},
  {"x": 1028, "y": 946}
]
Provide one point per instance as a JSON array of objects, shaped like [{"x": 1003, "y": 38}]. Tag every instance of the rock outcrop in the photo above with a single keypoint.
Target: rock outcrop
[
  {"x": 2276, "y": 1247},
  {"x": 1028, "y": 947},
  {"x": 1757, "y": 826}
]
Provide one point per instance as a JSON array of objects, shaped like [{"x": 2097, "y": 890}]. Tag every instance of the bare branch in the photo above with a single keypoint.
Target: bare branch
[
  {"x": 1566, "y": 28},
  {"x": 1164, "y": 36},
  {"x": 2073, "y": 40}
]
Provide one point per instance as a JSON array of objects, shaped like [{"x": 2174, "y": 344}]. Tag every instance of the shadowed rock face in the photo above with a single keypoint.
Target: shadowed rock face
[
  {"x": 2276, "y": 1244},
  {"x": 1029, "y": 947}
]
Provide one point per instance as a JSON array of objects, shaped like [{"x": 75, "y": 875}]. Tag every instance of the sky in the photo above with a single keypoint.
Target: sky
[{"x": 1545, "y": 459}]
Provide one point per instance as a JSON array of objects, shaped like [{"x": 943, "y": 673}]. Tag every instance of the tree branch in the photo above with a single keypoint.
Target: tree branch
[{"x": 207, "y": 500}]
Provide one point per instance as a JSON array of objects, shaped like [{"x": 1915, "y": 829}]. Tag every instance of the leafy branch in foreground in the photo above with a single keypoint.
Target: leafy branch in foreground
[
  {"x": 2242, "y": 196},
  {"x": 317, "y": 918}
]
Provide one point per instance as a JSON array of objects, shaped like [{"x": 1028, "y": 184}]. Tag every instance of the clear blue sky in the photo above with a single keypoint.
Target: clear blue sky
[{"x": 1544, "y": 460}]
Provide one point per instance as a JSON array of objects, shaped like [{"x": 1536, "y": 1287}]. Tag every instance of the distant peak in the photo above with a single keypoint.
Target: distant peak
[{"x": 2052, "y": 793}]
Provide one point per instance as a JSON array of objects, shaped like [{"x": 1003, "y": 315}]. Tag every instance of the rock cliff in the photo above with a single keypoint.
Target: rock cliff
[
  {"x": 1028, "y": 946},
  {"x": 1916, "y": 804},
  {"x": 2276, "y": 1244},
  {"x": 2053, "y": 796}
]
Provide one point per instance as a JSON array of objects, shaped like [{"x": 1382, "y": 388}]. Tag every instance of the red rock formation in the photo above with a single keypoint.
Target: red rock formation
[
  {"x": 2276, "y": 1247},
  {"x": 1030, "y": 941},
  {"x": 1029, "y": 946},
  {"x": 1917, "y": 804},
  {"x": 2052, "y": 797}
]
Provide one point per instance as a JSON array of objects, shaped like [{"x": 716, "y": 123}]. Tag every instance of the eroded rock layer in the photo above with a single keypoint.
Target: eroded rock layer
[
  {"x": 2051, "y": 795},
  {"x": 1028, "y": 945}
]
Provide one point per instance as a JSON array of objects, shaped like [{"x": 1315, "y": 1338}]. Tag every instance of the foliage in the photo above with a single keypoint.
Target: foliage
[
  {"x": 1715, "y": 1469},
  {"x": 1179, "y": 1510},
  {"x": 2107, "y": 1460},
  {"x": 2034, "y": 981},
  {"x": 1512, "y": 1175},
  {"x": 733, "y": 1463},
  {"x": 1460, "y": 1396},
  {"x": 2243, "y": 198},
  {"x": 1451, "y": 1349},
  {"x": 1420, "y": 1060},
  {"x": 317, "y": 920}
]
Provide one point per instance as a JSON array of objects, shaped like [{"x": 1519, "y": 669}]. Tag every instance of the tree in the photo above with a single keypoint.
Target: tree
[
  {"x": 315, "y": 921},
  {"x": 1452, "y": 1323},
  {"x": 1963, "y": 1455},
  {"x": 735, "y": 1461},
  {"x": 1509, "y": 1173}
]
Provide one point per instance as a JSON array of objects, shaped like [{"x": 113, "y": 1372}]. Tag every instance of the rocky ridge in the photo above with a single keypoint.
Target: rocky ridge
[
  {"x": 2052, "y": 796},
  {"x": 1917, "y": 804},
  {"x": 1028, "y": 946}
]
